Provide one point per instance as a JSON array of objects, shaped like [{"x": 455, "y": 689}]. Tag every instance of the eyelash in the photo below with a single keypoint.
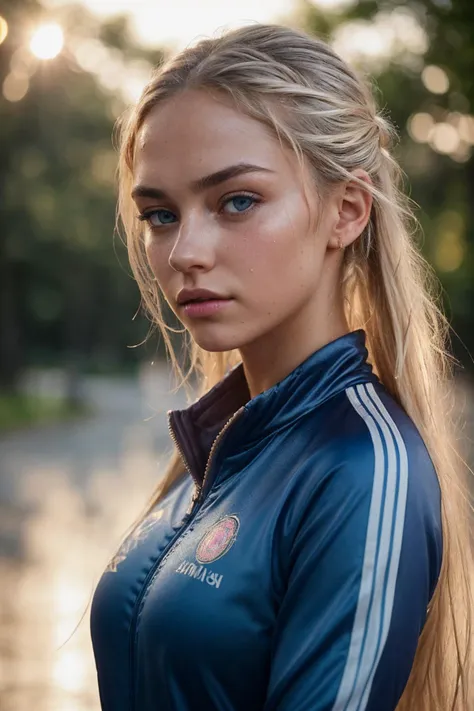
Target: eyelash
[{"x": 145, "y": 216}]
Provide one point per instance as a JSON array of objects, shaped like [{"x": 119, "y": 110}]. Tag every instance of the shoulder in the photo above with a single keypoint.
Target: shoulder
[
  {"x": 370, "y": 462},
  {"x": 373, "y": 476},
  {"x": 367, "y": 437}
]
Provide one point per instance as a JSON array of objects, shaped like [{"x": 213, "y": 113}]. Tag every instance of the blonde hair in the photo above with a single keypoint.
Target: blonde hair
[{"x": 317, "y": 105}]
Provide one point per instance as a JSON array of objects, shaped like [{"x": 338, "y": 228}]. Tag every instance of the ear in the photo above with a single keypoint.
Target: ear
[{"x": 354, "y": 206}]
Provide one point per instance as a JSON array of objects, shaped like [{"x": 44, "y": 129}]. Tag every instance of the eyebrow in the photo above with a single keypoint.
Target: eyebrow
[{"x": 209, "y": 181}]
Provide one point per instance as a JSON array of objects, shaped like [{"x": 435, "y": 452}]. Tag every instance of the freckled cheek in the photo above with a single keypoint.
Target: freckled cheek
[
  {"x": 279, "y": 264},
  {"x": 158, "y": 259},
  {"x": 276, "y": 250}
]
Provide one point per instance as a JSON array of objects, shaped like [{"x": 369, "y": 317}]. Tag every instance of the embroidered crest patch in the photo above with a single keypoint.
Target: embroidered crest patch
[{"x": 218, "y": 539}]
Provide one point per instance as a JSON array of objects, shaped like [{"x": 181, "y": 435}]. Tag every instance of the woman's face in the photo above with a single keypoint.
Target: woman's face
[{"x": 246, "y": 237}]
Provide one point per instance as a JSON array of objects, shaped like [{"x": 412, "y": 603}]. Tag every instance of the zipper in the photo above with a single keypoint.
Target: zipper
[
  {"x": 190, "y": 514},
  {"x": 199, "y": 488},
  {"x": 173, "y": 437},
  {"x": 186, "y": 464}
]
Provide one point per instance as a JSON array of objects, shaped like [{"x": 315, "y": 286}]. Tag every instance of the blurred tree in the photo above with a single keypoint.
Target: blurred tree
[
  {"x": 427, "y": 89},
  {"x": 65, "y": 289}
]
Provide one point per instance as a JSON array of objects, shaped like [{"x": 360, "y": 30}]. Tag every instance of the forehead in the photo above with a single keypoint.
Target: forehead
[{"x": 196, "y": 133}]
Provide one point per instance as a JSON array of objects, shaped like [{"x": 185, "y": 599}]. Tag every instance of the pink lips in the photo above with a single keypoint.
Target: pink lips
[{"x": 197, "y": 309}]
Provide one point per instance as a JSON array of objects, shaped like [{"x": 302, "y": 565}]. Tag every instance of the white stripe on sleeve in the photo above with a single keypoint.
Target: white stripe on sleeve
[{"x": 382, "y": 551}]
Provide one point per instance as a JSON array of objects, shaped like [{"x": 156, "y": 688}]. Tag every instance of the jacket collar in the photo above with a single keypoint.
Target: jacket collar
[{"x": 326, "y": 372}]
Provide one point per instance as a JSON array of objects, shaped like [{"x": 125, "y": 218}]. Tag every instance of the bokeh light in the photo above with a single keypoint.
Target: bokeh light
[
  {"x": 23, "y": 62},
  {"x": 395, "y": 34},
  {"x": 15, "y": 86},
  {"x": 336, "y": 5},
  {"x": 3, "y": 29},
  {"x": 47, "y": 41},
  {"x": 454, "y": 136},
  {"x": 444, "y": 138},
  {"x": 449, "y": 253},
  {"x": 420, "y": 126},
  {"x": 463, "y": 153},
  {"x": 450, "y": 248},
  {"x": 466, "y": 128},
  {"x": 435, "y": 79}
]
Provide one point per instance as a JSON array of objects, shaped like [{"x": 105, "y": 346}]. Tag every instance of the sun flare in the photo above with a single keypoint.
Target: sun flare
[{"x": 47, "y": 41}]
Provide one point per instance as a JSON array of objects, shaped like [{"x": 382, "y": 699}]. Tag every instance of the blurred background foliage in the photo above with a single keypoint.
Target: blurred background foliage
[{"x": 66, "y": 294}]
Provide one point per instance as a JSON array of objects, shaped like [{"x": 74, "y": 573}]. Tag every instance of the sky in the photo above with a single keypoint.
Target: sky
[{"x": 178, "y": 22}]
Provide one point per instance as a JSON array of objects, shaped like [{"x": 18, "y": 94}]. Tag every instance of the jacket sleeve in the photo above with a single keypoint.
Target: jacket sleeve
[{"x": 364, "y": 561}]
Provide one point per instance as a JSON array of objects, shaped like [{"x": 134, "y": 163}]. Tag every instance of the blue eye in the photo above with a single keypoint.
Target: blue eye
[
  {"x": 147, "y": 217},
  {"x": 241, "y": 202}
]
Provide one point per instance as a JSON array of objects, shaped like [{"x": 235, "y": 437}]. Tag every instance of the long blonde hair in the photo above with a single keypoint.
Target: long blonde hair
[{"x": 297, "y": 86}]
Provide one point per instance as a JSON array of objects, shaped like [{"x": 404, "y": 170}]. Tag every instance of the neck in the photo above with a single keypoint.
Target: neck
[{"x": 277, "y": 353}]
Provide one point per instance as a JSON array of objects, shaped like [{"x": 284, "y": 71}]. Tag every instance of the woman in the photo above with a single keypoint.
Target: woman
[{"x": 304, "y": 549}]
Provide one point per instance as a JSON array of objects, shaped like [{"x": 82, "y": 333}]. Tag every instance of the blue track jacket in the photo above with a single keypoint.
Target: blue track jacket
[{"x": 291, "y": 567}]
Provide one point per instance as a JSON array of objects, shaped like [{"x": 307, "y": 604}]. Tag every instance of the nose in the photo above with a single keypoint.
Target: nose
[{"x": 194, "y": 248}]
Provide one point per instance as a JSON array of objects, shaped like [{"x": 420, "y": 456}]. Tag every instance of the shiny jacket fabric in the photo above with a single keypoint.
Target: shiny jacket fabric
[{"x": 297, "y": 578}]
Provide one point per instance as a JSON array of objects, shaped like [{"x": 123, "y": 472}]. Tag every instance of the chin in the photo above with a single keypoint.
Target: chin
[
  {"x": 217, "y": 342},
  {"x": 216, "y": 345}
]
